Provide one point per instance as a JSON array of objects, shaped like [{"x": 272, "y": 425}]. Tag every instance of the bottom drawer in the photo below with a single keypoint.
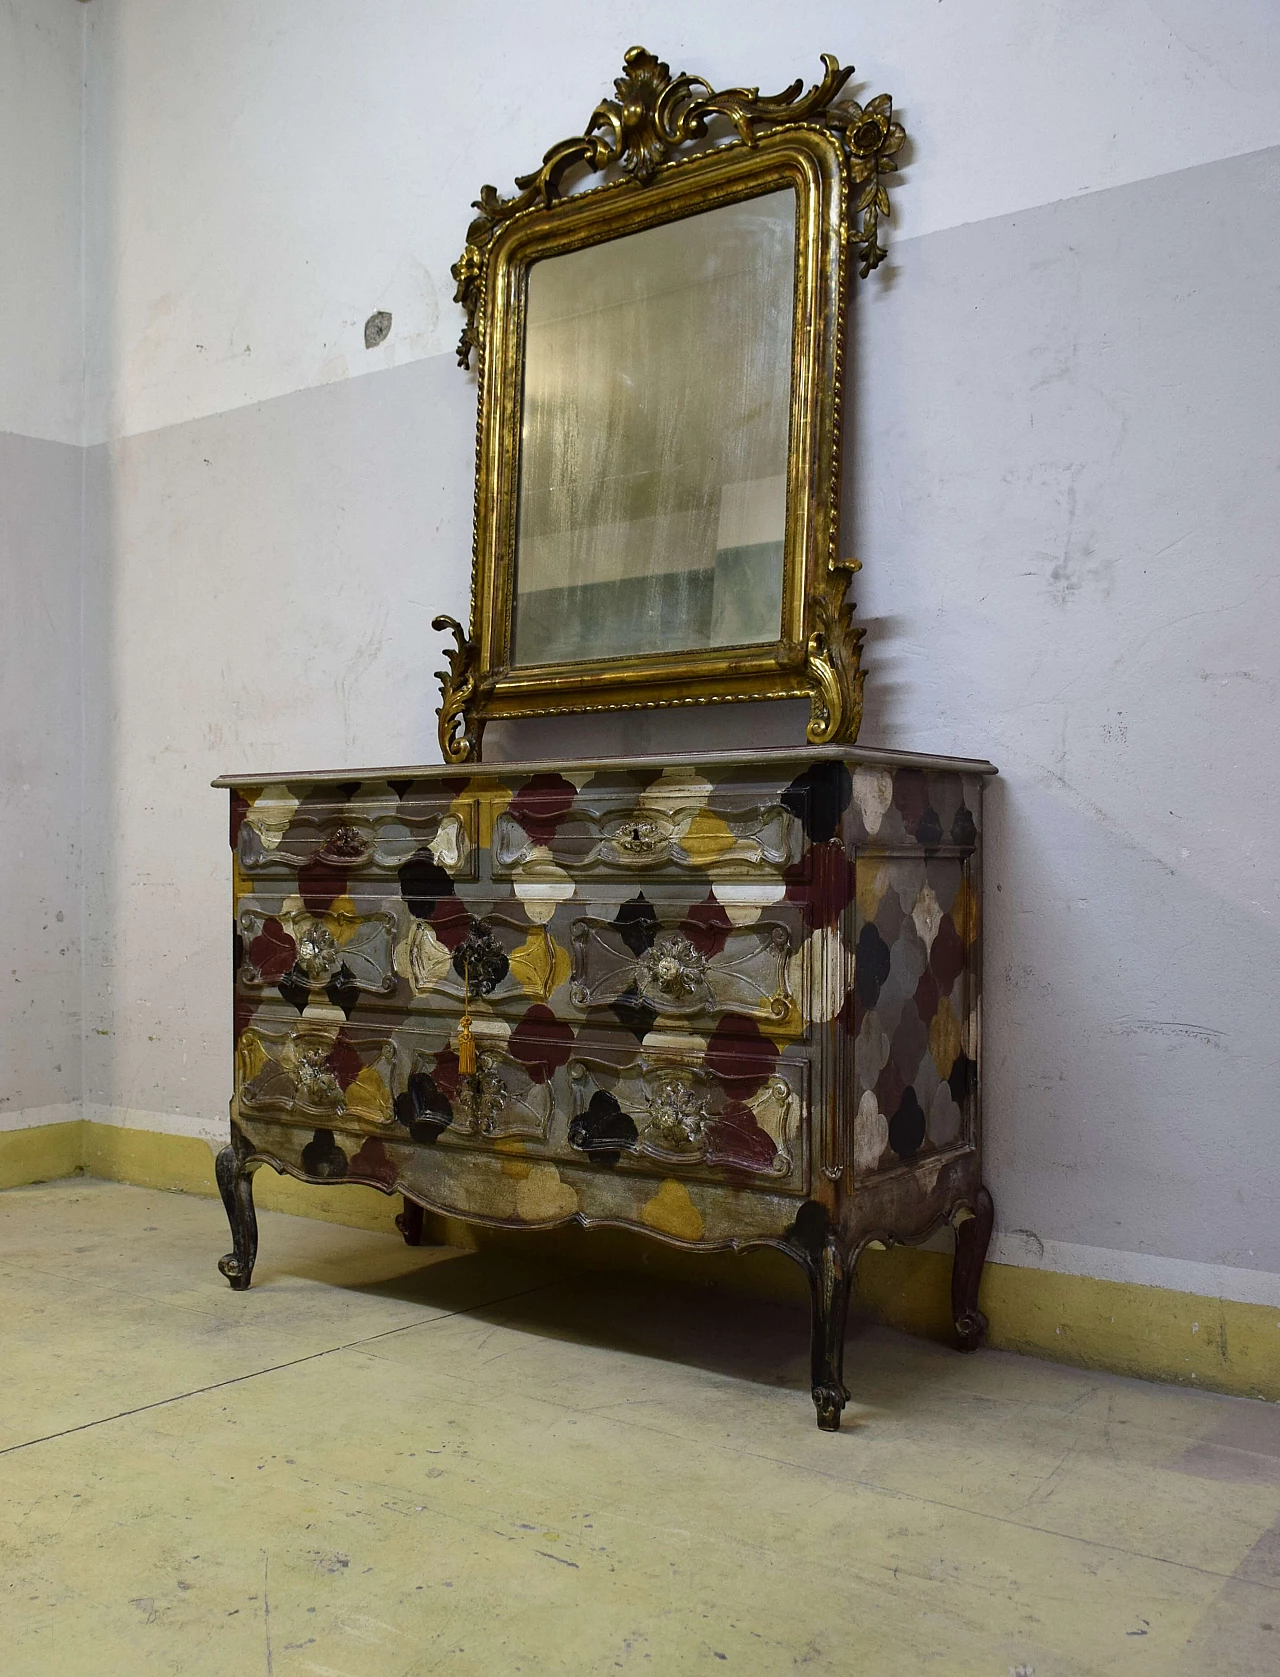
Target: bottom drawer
[{"x": 732, "y": 1109}]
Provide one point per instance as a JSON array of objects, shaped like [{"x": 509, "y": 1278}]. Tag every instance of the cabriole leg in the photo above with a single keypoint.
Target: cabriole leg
[
  {"x": 830, "y": 1275},
  {"x": 973, "y": 1236},
  {"x": 410, "y": 1223},
  {"x": 235, "y": 1184}
]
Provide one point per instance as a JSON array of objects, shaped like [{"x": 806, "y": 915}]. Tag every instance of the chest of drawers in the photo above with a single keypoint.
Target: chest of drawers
[{"x": 725, "y": 1001}]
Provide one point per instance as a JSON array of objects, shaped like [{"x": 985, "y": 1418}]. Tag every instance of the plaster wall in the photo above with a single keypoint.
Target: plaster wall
[
  {"x": 266, "y": 176},
  {"x": 41, "y": 462},
  {"x": 42, "y": 61},
  {"x": 1065, "y": 398}
]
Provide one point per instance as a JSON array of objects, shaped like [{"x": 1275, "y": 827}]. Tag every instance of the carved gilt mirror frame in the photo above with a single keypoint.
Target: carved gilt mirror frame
[{"x": 651, "y": 145}]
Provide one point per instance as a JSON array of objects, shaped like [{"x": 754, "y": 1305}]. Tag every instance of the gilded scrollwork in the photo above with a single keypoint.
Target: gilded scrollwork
[
  {"x": 460, "y": 727},
  {"x": 833, "y": 662},
  {"x": 653, "y": 116}
]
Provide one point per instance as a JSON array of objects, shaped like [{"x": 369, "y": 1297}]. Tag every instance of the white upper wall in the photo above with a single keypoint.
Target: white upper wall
[
  {"x": 41, "y": 322},
  {"x": 263, "y": 177}
]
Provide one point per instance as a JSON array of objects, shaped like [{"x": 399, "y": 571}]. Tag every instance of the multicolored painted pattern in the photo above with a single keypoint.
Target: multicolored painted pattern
[{"x": 703, "y": 993}]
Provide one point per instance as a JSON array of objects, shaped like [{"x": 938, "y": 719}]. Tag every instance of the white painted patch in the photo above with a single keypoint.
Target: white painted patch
[
  {"x": 540, "y": 886},
  {"x": 926, "y": 912},
  {"x": 742, "y": 904},
  {"x": 272, "y": 811},
  {"x": 870, "y": 1134},
  {"x": 873, "y": 793},
  {"x": 820, "y": 972}
]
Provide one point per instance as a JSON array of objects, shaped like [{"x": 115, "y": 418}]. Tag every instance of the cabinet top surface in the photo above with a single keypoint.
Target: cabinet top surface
[{"x": 766, "y": 758}]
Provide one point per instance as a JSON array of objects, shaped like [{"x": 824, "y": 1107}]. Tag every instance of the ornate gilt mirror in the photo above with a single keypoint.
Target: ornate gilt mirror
[{"x": 659, "y": 362}]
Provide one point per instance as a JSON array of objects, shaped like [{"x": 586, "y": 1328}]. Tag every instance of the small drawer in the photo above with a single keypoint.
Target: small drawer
[
  {"x": 676, "y": 829},
  {"x": 331, "y": 848},
  {"x": 346, "y": 954}
]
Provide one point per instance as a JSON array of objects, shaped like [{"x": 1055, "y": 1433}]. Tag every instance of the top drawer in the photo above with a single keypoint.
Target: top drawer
[
  {"x": 372, "y": 832},
  {"x": 678, "y": 827}
]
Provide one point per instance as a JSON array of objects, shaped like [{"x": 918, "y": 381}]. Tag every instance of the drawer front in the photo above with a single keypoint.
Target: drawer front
[
  {"x": 732, "y": 1109},
  {"x": 330, "y": 847},
  {"x": 631, "y": 963},
  {"x": 677, "y": 827}
]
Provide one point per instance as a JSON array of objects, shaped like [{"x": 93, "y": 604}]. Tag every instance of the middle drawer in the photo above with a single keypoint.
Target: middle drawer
[{"x": 627, "y": 960}]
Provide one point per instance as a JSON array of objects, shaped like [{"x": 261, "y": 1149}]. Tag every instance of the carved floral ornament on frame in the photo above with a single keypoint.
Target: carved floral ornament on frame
[{"x": 673, "y": 153}]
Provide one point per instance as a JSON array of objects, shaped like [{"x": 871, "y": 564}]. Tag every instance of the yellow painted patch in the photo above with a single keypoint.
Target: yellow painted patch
[
  {"x": 966, "y": 912},
  {"x": 540, "y": 966},
  {"x": 512, "y": 1164},
  {"x": 342, "y": 919},
  {"x": 241, "y": 884},
  {"x": 784, "y": 1030},
  {"x": 671, "y": 1211},
  {"x": 368, "y": 1098},
  {"x": 706, "y": 837},
  {"x": 251, "y": 1056},
  {"x": 871, "y": 882},
  {"x": 492, "y": 801},
  {"x": 944, "y": 1039},
  {"x": 542, "y": 1197}
]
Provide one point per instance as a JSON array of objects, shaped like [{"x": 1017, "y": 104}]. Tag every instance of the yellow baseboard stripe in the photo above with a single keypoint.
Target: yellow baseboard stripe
[{"x": 1153, "y": 1333}]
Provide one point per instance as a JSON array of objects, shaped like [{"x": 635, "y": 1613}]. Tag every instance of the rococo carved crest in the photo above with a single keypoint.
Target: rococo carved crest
[{"x": 654, "y": 115}]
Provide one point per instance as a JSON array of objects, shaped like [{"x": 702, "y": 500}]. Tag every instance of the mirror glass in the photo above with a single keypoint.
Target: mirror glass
[{"x": 654, "y": 430}]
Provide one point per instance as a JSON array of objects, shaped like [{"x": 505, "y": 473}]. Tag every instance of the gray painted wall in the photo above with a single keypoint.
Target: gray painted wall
[
  {"x": 1066, "y": 423},
  {"x": 40, "y": 764}
]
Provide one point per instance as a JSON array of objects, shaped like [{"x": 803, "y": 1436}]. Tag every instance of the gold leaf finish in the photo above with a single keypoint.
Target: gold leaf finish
[{"x": 650, "y": 136}]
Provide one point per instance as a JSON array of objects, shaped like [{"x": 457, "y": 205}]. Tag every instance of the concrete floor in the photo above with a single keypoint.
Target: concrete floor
[{"x": 384, "y": 1463}]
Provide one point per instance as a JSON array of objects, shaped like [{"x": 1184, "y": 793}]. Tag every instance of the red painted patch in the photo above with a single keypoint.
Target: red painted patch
[
  {"x": 273, "y": 951},
  {"x": 739, "y": 1056},
  {"x": 541, "y": 1043},
  {"x": 239, "y": 809},
  {"x": 320, "y": 883},
  {"x": 736, "y": 1142},
  {"x": 946, "y": 958},
  {"x": 445, "y": 1074},
  {"x": 372, "y": 1163},
  {"x": 541, "y": 805},
  {"x": 450, "y": 922},
  {"x": 824, "y": 896},
  {"x": 707, "y": 926},
  {"x": 927, "y": 996},
  {"x": 911, "y": 797},
  {"x": 344, "y": 1061}
]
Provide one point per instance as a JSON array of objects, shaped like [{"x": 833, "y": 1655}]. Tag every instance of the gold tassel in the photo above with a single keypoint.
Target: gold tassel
[{"x": 466, "y": 1042}]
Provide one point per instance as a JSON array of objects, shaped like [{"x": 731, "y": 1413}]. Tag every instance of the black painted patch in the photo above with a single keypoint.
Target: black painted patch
[
  {"x": 295, "y": 987},
  {"x": 636, "y": 1015},
  {"x": 399, "y": 787},
  {"x": 871, "y": 965},
  {"x": 423, "y": 1108},
  {"x": 906, "y": 1127},
  {"x": 637, "y": 924},
  {"x": 811, "y": 1228},
  {"x": 818, "y": 798},
  {"x": 323, "y": 1158},
  {"x": 963, "y": 1079},
  {"x": 342, "y": 990},
  {"x": 963, "y": 828},
  {"x": 423, "y": 882},
  {"x": 929, "y": 827},
  {"x": 603, "y": 1131}
]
